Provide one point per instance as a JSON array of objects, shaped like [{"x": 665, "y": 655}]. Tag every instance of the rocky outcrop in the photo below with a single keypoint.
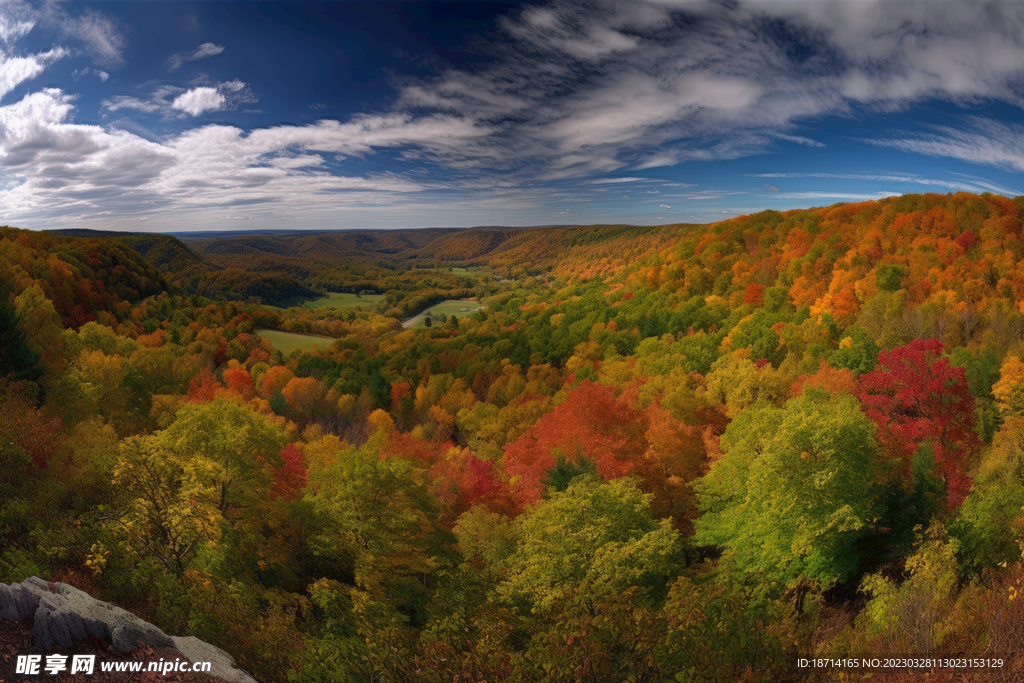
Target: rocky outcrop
[{"x": 63, "y": 615}]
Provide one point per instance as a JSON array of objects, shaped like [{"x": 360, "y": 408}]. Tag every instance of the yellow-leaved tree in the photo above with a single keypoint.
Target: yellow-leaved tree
[{"x": 1009, "y": 390}]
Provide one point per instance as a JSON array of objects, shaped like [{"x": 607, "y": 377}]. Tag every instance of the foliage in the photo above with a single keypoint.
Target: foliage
[
  {"x": 18, "y": 361},
  {"x": 597, "y": 537},
  {"x": 909, "y": 615},
  {"x": 654, "y": 453},
  {"x": 795, "y": 489},
  {"x": 917, "y": 397}
]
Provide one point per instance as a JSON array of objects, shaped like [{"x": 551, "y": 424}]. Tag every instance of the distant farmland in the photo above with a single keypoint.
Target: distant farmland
[
  {"x": 345, "y": 300},
  {"x": 450, "y": 307},
  {"x": 338, "y": 300},
  {"x": 286, "y": 342}
]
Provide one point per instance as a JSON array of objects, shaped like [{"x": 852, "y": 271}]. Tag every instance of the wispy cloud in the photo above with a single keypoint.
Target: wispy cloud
[
  {"x": 203, "y": 51},
  {"x": 856, "y": 196},
  {"x": 606, "y": 181},
  {"x": 78, "y": 73},
  {"x": 101, "y": 37},
  {"x": 581, "y": 93},
  {"x": 799, "y": 140},
  {"x": 967, "y": 184},
  {"x": 593, "y": 87},
  {"x": 986, "y": 142},
  {"x": 93, "y": 32},
  {"x": 987, "y": 184},
  {"x": 15, "y": 22}
]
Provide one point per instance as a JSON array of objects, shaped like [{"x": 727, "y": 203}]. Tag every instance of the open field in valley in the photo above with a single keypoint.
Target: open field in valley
[{"x": 286, "y": 342}]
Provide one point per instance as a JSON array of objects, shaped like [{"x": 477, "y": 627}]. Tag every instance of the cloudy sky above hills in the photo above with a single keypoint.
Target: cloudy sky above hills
[{"x": 185, "y": 116}]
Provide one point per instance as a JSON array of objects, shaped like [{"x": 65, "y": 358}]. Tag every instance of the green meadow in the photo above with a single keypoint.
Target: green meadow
[
  {"x": 335, "y": 300},
  {"x": 345, "y": 300},
  {"x": 286, "y": 342},
  {"x": 448, "y": 308}
]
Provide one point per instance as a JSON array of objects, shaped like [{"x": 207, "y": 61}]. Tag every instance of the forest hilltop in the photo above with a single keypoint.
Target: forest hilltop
[{"x": 609, "y": 453}]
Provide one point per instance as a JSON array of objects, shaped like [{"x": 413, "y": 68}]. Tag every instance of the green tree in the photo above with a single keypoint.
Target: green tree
[
  {"x": 856, "y": 352},
  {"x": 600, "y": 536},
  {"x": 589, "y": 569},
  {"x": 43, "y": 328},
  {"x": 989, "y": 524},
  {"x": 890, "y": 277},
  {"x": 163, "y": 517},
  {"x": 908, "y": 616},
  {"x": 17, "y": 359},
  {"x": 229, "y": 448},
  {"x": 375, "y": 541},
  {"x": 794, "y": 490}
]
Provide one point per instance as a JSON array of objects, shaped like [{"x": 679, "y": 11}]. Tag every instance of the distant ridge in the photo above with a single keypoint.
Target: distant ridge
[
  {"x": 88, "y": 232},
  {"x": 272, "y": 232}
]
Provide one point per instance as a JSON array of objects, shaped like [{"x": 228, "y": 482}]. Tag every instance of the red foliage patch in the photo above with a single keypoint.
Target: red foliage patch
[
  {"x": 915, "y": 396},
  {"x": 754, "y": 294},
  {"x": 290, "y": 478},
  {"x": 590, "y": 424},
  {"x": 203, "y": 387}
]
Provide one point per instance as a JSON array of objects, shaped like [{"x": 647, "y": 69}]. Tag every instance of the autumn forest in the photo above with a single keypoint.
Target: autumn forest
[{"x": 693, "y": 453}]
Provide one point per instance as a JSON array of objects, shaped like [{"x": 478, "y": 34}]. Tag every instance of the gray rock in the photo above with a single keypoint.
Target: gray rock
[
  {"x": 17, "y": 603},
  {"x": 63, "y": 615},
  {"x": 222, "y": 665}
]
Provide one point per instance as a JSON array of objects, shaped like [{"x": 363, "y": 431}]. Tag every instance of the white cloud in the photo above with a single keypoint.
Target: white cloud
[
  {"x": 13, "y": 28},
  {"x": 78, "y": 73},
  {"x": 100, "y": 36},
  {"x": 16, "y": 70},
  {"x": 665, "y": 206},
  {"x": 856, "y": 196},
  {"x": 298, "y": 161},
  {"x": 201, "y": 52},
  {"x": 799, "y": 140},
  {"x": 571, "y": 90},
  {"x": 579, "y": 88},
  {"x": 58, "y": 168},
  {"x": 199, "y": 100},
  {"x": 174, "y": 102},
  {"x": 989, "y": 142},
  {"x": 969, "y": 184},
  {"x": 605, "y": 181}
]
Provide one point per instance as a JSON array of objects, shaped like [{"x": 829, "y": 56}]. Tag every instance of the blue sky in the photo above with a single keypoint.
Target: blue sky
[{"x": 154, "y": 116}]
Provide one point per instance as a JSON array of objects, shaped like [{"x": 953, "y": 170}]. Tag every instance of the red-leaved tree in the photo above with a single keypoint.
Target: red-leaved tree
[
  {"x": 915, "y": 396},
  {"x": 291, "y": 477},
  {"x": 590, "y": 424}
]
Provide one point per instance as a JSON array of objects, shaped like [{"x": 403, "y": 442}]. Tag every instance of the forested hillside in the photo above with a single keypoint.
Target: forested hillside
[{"x": 681, "y": 453}]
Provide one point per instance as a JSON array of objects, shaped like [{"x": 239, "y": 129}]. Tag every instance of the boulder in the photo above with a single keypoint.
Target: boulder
[
  {"x": 63, "y": 614},
  {"x": 222, "y": 665}
]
